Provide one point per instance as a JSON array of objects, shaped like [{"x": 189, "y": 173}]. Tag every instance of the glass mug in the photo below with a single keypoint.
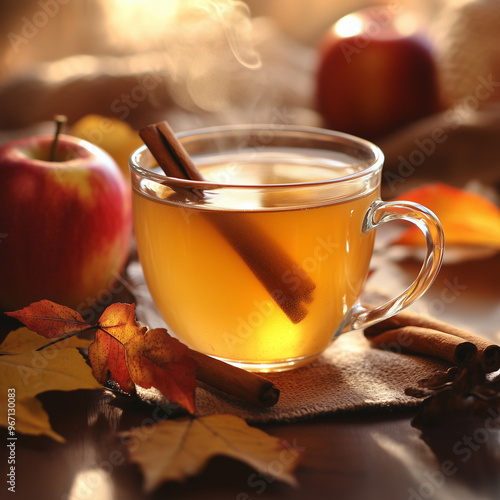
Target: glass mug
[{"x": 263, "y": 262}]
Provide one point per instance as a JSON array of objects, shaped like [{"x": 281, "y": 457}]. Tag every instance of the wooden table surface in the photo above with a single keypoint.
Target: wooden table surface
[
  {"x": 377, "y": 455},
  {"x": 347, "y": 457}
]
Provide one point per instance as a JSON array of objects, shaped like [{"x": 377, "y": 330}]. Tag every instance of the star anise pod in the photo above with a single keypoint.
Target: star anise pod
[{"x": 456, "y": 393}]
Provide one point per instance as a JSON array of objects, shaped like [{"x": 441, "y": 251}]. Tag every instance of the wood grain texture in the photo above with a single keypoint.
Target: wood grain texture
[{"x": 351, "y": 457}]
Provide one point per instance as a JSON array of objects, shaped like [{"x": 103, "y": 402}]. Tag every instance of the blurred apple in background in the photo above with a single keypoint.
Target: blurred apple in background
[
  {"x": 376, "y": 73},
  {"x": 115, "y": 136},
  {"x": 65, "y": 224}
]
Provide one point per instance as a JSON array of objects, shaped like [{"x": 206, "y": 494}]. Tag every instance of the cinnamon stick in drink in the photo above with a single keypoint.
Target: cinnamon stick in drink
[
  {"x": 289, "y": 286},
  {"x": 488, "y": 352}
]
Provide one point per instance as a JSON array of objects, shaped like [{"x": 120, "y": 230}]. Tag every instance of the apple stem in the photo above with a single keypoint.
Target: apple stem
[{"x": 60, "y": 122}]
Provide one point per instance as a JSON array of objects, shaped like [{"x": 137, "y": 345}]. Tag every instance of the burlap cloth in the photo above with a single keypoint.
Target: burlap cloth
[{"x": 350, "y": 376}]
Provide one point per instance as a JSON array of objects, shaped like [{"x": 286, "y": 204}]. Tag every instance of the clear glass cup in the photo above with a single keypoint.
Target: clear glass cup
[{"x": 263, "y": 263}]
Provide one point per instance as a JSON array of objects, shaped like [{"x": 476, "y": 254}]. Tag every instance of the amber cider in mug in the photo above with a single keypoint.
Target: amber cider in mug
[{"x": 306, "y": 201}]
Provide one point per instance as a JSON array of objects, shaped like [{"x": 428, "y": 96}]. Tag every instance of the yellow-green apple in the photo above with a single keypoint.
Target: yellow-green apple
[
  {"x": 376, "y": 72},
  {"x": 115, "y": 136},
  {"x": 65, "y": 225}
]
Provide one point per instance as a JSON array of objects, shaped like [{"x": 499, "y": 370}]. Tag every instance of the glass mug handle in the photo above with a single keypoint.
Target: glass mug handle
[{"x": 379, "y": 213}]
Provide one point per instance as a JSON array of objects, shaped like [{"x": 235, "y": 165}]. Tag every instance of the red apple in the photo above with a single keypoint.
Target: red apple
[
  {"x": 376, "y": 73},
  {"x": 65, "y": 225}
]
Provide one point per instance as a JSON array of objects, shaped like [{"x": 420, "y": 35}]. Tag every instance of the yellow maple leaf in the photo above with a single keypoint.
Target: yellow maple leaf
[
  {"x": 29, "y": 372},
  {"x": 31, "y": 341},
  {"x": 181, "y": 448}
]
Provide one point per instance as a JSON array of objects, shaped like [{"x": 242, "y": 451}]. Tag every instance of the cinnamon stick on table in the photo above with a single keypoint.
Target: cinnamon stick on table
[
  {"x": 245, "y": 385},
  {"x": 289, "y": 286},
  {"x": 427, "y": 335},
  {"x": 426, "y": 341}
]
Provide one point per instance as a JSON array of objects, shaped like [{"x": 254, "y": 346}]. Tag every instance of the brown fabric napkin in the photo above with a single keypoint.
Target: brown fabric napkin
[{"x": 350, "y": 376}]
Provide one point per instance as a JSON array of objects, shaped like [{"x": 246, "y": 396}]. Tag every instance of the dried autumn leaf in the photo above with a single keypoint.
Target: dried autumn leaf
[
  {"x": 117, "y": 325},
  {"x": 107, "y": 358},
  {"x": 118, "y": 320},
  {"x": 32, "y": 372},
  {"x": 155, "y": 359},
  {"x": 467, "y": 218},
  {"x": 181, "y": 448},
  {"x": 50, "y": 319},
  {"x": 122, "y": 350}
]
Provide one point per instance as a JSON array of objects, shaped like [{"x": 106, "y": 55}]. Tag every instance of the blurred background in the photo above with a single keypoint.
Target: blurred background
[{"x": 204, "y": 62}]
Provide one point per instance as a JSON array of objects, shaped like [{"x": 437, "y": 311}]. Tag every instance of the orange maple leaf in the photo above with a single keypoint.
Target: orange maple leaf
[
  {"x": 118, "y": 320},
  {"x": 107, "y": 359},
  {"x": 155, "y": 359},
  {"x": 117, "y": 325},
  {"x": 467, "y": 218}
]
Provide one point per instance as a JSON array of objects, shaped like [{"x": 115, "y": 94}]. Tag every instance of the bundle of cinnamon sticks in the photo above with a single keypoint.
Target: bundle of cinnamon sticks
[{"x": 420, "y": 334}]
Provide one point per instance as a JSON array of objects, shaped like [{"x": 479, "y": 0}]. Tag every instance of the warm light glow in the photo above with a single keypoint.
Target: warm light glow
[
  {"x": 406, "y": 23},
  {"x": 348, "y": 26},
  {"x": 140, "y": 22},
  {"x": 93, "y": 483}
]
